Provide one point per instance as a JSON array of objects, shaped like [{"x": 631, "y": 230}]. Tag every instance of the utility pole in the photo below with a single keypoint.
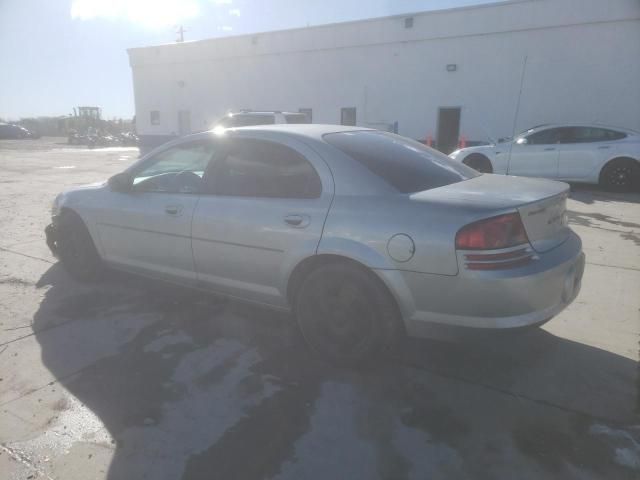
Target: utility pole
[{"x": 180, "y": 32}]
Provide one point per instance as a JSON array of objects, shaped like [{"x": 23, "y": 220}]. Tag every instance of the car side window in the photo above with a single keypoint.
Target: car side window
[
  {"x": 178, "y": 169},
  {"x": 247, "y": 120},
  {"x": 544, "y": 137},
  {"x": 595, "y": 134},
  {"x": 257, "y": 168}
]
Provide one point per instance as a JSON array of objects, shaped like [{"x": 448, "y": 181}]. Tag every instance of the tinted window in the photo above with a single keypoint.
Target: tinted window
[
  {"x": 406, "y": 165},
  {"x": 178, "y": 169},
  {"x": 545, "y": 137},
  {"x": 296, "y": 118},
  {"x": 308, "y": 112},
  {"x": 593, "y": 134},
  {"x": 248, "y": 120},
  {"x": 255, "y": 168}
]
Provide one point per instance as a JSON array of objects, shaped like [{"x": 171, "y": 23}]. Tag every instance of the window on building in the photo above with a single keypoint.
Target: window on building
[
  {"x": 348, "y": 116},
  {"x": 257, "y": 168},
  {"x": 296, "y": 118},
  {"x": 247, "y": 120},
  {"x": 184, "y": 122},
  {"x": 154, "y": 116},
  {"x": 308, "y": 112}
]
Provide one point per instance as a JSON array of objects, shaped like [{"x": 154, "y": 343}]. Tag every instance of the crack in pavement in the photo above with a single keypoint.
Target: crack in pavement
[
  {"x": 3, "y": 249},
  {"x": 505, "y": 392},
  {"x": 24, "y": 460}
]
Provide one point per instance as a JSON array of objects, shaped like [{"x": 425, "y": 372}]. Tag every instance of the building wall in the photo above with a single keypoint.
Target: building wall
[{"x": 577, "y": 61}]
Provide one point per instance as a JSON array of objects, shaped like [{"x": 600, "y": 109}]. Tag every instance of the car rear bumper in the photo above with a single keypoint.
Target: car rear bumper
[{"x": 512, "y": 298}]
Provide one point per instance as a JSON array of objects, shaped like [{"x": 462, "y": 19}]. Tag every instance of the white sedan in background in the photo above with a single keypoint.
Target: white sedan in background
[{"x": 575, "y": 153}]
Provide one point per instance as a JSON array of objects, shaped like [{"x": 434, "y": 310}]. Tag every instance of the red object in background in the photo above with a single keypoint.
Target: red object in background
[
  {"x": 463, "y": 142},
  {"x": 429, "y": 140}
]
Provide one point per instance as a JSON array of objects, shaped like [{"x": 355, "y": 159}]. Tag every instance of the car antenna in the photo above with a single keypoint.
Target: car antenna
[{"x": 515, "y": 116}]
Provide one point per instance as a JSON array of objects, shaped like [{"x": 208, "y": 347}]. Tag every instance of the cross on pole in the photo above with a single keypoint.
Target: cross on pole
[{"x": 180, "y": 32}]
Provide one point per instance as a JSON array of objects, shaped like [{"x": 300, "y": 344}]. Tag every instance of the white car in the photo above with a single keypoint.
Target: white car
[{"x": 575, "y": 153}]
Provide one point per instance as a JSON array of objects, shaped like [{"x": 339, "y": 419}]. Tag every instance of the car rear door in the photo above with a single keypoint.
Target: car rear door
[
  {"x": 535, "y": 155},
  {"x": 149, "y": 228},
  {"x": 583, "y": 150},
  {"x": 263, "y": 210}
]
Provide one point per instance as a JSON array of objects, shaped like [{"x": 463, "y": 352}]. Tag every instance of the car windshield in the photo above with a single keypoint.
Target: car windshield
[{"x": 406, "y": 165}]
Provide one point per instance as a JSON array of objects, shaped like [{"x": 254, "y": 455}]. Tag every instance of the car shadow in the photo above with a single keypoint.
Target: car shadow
[
  {"x": 590, "y": 194},
  {"x": 192, "y": 386}
]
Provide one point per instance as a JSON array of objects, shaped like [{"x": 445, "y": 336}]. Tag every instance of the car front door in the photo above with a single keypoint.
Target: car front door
[
  {"x": 148, "y": 229},
  {"x": 583, "y": 150},
  {"x": 262, "y": 211},
  {"x": 535, "y": 155}
]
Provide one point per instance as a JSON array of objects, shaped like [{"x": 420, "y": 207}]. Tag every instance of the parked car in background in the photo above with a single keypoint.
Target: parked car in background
[
  {"x": 575, "y": 153},
  {"x": 10, "y": 131},
  {"x": 363, "y": 234},
  {"x": 247, "y": 118}
]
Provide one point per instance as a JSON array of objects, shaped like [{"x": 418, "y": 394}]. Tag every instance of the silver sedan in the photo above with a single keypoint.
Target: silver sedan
[{"x": 364, "y": 235}]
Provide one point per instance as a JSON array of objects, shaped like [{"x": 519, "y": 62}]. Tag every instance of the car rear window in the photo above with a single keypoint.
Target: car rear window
[
  {"x": 250, "y": 120},
  {"x": 296, "y": 118},
  {"x": 405, "y": 164}
]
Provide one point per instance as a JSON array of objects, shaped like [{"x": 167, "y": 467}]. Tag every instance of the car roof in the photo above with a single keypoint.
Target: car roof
[
  {"x": 306, "y": 130},
  {"x": 261, "y": 112},
  {"x": 588, "y": 125},
  {"x": 302, "y": 131}
]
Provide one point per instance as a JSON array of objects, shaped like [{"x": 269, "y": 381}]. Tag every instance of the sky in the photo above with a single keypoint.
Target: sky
[{"x": 57, "y": 54}]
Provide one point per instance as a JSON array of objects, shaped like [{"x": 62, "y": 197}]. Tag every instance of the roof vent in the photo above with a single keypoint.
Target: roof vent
[{"x": 408, "y": 22}]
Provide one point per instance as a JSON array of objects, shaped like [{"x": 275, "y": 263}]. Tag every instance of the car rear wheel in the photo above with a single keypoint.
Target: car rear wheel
[
  {"x": 478, "y": 162},
  {"x": 620, "y": 175},
  {"x": 76, "y": 249},
  {"x": 347, "y": 315}
]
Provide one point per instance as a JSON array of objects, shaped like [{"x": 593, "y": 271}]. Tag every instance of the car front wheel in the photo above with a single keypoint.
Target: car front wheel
[
  {"x": 76, "y": 249},
  {"x": 346, "y": 315},
  {"x": 479, "y": 162}
]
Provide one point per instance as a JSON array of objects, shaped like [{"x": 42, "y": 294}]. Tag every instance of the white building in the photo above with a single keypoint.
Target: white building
[{"x": 475, "y": 72}]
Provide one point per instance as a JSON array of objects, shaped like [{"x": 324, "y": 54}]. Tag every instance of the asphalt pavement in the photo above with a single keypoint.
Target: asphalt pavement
[{"x": 133, "y": 379}]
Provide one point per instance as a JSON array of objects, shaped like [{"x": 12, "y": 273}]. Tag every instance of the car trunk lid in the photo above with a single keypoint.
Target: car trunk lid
[
  {"x": 546, "y": 222},
  {"x": 541, "y": 203}
]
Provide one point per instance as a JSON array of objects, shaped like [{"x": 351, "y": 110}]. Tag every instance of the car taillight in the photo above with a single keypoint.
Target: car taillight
[
  {"x": 503, "y": 231},
  {"x": 496, "y": 233}
]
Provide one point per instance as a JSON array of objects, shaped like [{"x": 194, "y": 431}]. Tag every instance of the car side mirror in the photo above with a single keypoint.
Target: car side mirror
[
  {"x": 121, "y": 182},
  {"x": 522, "y": 141}
]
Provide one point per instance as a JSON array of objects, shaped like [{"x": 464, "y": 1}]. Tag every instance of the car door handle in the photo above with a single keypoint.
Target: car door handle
[
  {"x": 549, "y": 149},
  {"x": 173, "y": 209},
  {"x": 603, "y": 147},
  {"x": 298, "y": 221}
]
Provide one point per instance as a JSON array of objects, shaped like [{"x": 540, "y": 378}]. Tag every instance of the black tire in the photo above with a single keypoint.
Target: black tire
[
  {"x": 478, "y": 162},
  {"x": 347, "y": 315},
  {"x": 76, "y": 249},
  {"x": 620, "y": 175}
]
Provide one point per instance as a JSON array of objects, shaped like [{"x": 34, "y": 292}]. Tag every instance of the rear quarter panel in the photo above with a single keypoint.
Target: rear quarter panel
[{"x": 361, "y": 227}]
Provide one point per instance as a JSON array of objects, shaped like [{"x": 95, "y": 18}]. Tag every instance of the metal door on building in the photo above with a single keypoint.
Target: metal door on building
[
  {"x": 448, "y": 129},
  {"x": 184, "y": 122}
]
